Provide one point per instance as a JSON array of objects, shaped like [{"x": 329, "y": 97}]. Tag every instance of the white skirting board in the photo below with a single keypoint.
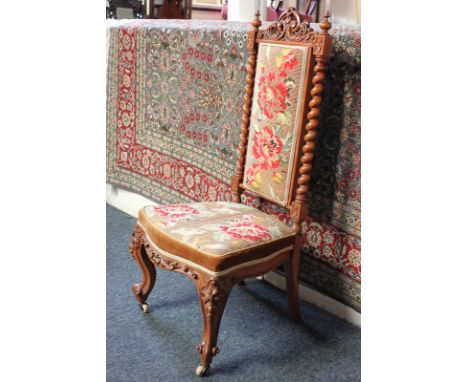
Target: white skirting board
[
  {"x": 131, "y": 202},
  {"x": 315, "y": 297},
  {"x": 127, "y": 201}
]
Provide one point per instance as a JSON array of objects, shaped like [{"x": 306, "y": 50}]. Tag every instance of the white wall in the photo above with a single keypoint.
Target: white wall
[
  {"x": 346, "y": 11},
  {"x": 342, "y": 11},
  {"x": 244, "y": 10}
]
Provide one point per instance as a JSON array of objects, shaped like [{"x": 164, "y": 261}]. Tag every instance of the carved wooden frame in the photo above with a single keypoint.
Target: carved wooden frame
[{"x": 213, "y": 291}]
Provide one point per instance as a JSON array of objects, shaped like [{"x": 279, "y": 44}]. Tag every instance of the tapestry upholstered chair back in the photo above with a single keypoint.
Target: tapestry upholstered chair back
[
  {"x": 275, "y": 121},
  {"x": 280, "y": 119},
  {"x": 220, "y": 244}
]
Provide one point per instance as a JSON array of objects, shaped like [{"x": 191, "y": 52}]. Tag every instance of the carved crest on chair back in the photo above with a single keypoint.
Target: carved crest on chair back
[
  {"x": 285, "y": 80},
  {"x": 288, "y": 27}
]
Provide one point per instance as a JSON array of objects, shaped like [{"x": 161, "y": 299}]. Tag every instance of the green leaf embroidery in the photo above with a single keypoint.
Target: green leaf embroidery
[
  {"x": 276, "y": 130},
  {"x": 272, "y": 192}
]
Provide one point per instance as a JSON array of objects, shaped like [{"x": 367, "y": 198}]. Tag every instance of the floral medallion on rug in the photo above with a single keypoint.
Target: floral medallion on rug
[{"x": 175, "y": 92}]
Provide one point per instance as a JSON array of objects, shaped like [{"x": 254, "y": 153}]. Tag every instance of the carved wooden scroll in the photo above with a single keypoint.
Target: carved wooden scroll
[{"x": 289, "y": 28}]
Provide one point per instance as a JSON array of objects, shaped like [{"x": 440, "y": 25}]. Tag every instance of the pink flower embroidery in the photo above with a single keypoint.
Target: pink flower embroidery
[
  {"x": 272, "y": 94},
  {"x": 247, "y": 231},
  {"x": 290, "y": 61},
  {"x": 175, "y": 211},
  {"x": 267, "y": 148}
]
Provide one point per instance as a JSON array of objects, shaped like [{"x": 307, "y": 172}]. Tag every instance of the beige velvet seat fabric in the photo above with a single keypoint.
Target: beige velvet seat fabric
[{"x": 215, "y": 235}]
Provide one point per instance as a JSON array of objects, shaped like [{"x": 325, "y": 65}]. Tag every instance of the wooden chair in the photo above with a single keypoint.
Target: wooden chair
[{"x": 219, "y": 244}]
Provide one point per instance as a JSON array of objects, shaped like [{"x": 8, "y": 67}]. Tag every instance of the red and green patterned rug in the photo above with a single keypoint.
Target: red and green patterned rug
[{"x": 174, "y": 96}]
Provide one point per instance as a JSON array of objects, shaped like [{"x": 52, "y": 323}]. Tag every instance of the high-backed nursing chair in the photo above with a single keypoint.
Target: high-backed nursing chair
[{"x": 219, "y": 244}]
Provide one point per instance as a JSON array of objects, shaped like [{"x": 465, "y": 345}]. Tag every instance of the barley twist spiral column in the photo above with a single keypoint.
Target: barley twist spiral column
[
  {"x": 244, "y": 131},
  {"x": 321, "y": 52}
]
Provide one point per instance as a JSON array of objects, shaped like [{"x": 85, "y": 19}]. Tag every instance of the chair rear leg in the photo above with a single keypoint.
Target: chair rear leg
[
  {"x": 213, "y": 294},
  {"x": 292, "y": 284},
  {"x": 148, "y": 270}
]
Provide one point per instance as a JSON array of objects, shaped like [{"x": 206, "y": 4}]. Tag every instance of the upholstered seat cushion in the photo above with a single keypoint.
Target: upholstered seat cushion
[{"x": 215, "y": 235}]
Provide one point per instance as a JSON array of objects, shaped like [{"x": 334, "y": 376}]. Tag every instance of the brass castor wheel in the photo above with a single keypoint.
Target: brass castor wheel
[
  {"x": 144, "y": 307},
  {"x": 201, "y": 369}
]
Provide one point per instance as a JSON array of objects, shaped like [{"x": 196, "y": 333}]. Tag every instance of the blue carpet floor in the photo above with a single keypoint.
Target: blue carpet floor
[{"x": 257, "y": 340}]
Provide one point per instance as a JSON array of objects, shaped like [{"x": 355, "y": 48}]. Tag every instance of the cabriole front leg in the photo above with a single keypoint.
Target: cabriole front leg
[
  {"x": 213, "y": 293},
  {"x": 148, "y": 270}
]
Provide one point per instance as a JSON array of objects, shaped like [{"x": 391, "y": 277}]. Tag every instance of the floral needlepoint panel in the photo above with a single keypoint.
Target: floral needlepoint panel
[
  {"x": 216, "y": 228},
  {"x": 274, "y": 124}
]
